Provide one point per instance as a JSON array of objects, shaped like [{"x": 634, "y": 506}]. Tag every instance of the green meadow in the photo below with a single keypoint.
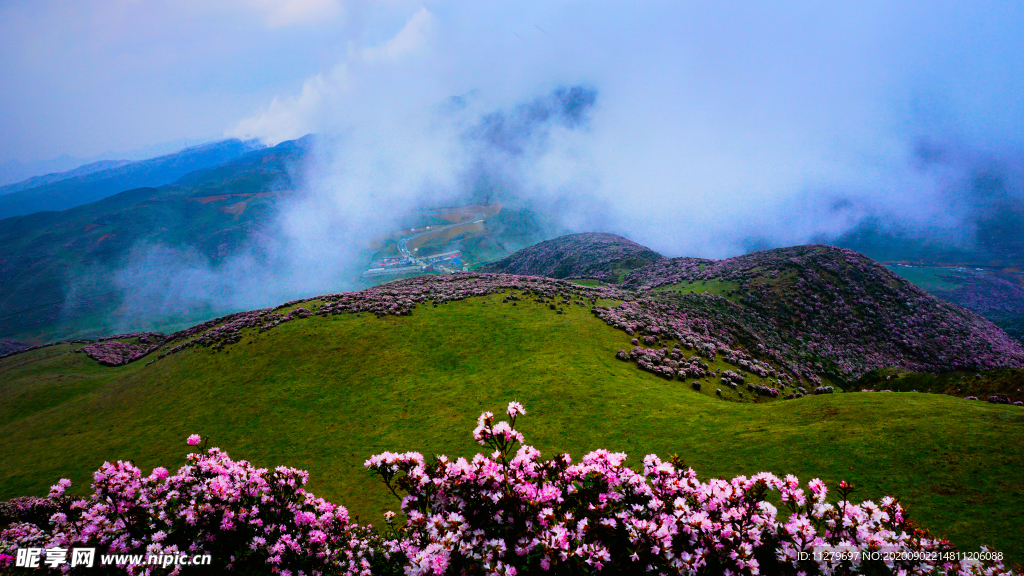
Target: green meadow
[{"x": 324, "y": 393}]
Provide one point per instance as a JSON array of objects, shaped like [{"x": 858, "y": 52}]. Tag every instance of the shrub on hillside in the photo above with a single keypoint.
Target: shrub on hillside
[
  {"x": 821, "y": 310},
  {"x": 112, "y": 353}
]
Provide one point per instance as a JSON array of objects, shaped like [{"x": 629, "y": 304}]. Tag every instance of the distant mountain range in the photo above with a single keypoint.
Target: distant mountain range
[
  {"x": 99, "y": 180},
  {"x": 57, "y": 268},
  {"x": 50, "y": 178},
  {"x": 16, "y": 171}
]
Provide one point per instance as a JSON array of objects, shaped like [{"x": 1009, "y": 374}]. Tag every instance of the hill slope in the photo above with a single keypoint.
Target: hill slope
[
  {"x": 322, "y": 384},
  {"x": 595, "y": 255},
  {"x": 833, "y": 312},
  {"x": 998, "y": 298}
]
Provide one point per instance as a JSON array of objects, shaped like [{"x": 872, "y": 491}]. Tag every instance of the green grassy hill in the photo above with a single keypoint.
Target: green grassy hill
[{"x": 325, "y": 392}]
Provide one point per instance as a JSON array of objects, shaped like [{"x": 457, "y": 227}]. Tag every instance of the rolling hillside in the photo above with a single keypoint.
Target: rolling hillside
[
  {"x": 323, "y": 383},
  {"x": 837, "y": 313}
]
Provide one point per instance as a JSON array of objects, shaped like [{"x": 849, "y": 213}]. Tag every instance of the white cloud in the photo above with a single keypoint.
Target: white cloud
[
  {"x": 715, "y": 125},
  {"x": 327, "y": 96},
  {"x": 280, "y": 13},
  {"x": 413, "y": 37},
  {"x": 295, "y": 116}
]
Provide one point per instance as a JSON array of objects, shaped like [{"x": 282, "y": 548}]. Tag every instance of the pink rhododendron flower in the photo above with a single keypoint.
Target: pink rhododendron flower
[{"x": 58, "y": 488}]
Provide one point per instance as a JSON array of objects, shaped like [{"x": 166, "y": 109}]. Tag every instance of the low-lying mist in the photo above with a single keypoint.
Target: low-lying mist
[
  {"x": 363, "y": 185},
  {"x": 692, "y": 129}
]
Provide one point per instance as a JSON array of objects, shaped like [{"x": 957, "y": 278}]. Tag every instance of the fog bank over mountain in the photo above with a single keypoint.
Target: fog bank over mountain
[
  {"x": 713, "y": 129},
  {"x": 354, "y": 188}
]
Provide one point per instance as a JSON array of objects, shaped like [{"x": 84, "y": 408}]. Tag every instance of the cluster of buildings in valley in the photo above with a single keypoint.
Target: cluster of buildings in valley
[
  {"x": 445, "y": 263},
  {"x": 466, "y": 221}
]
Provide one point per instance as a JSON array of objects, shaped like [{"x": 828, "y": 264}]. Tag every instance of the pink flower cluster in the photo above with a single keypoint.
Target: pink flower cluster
[
  {"x": 513, "y": 513},
  {"x": 507, "y": 513},
  {"x": 251, "y": 520},
  {"x": 114, "y": 353},
  {"x": 762, "y": 390},
  {"x": 667, "y": 363}
]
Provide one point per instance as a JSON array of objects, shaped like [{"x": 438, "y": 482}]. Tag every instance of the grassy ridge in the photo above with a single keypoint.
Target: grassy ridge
[
  {"x": 323, "y": 393},
  {"x": 717, "y": 287}
]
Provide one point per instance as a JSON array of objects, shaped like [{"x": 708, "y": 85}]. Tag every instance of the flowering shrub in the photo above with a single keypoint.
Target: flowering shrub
[
  {"x": 248, "y": 519},
  {"x": 763, "y": 390},
  {"x": 113, "y": 353},
  {"x": 732, "y": 376},
  {"x": 511, "y": 512},
  {"x": 508, "y": 512}
]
